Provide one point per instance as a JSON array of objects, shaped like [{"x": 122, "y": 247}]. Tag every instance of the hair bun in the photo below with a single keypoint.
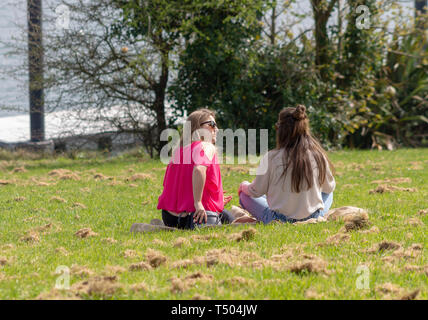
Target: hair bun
[{"x": 300, "y": 112}]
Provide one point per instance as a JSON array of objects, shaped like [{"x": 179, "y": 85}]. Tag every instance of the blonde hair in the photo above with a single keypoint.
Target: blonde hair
[{"x": 196, "y": 118}]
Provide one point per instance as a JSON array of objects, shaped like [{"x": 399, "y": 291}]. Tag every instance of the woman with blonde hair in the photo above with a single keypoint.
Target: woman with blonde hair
[
  {"x": 294, "y": 181},
  {"x": 193, "y": 192}
]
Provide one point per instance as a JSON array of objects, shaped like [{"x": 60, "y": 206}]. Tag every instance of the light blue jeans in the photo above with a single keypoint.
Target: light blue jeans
[{"x": 259, "y": 208}]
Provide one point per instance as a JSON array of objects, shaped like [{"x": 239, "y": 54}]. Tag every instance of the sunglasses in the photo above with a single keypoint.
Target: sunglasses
[{"x": 211, "y": 123}]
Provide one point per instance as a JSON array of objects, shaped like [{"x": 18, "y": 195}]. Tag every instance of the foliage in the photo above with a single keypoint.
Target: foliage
[{"x": 363, "y": 87}]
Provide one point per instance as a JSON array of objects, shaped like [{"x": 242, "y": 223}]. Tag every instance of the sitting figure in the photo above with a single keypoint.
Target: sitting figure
[
  {"x": 294, "y": 181},
  {"x": 193, "y": 192}
]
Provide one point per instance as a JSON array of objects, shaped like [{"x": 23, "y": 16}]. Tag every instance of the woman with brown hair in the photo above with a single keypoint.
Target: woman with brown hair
[
  {"x": 193, "y": 192},
  {"x": 294, "y": 181}
]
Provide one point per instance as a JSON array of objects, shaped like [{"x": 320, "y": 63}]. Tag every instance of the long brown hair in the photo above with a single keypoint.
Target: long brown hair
[
  {"x": 195, "y": 119},
  {"x": 294, "y": 136}
]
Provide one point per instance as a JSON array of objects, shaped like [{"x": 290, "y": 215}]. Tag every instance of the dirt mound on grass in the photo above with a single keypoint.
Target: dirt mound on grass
[
  {"x": 5, "y": 182},
  {"x": 179, "y": 285},
  {"x": 410, "y": 253},
  {"x": 388, "y": 245},
  {"x": 200, "y": 297},
  {"x": 182, "y": 264},
  {"x": 234, "y": 258},
  {"x": 57, "y": 199},
  {"x": 373, "y": 229},
  {"x": 55, "y": 294},
  {"x": 140, "y": 176},
  {"x": 398, "y": 252},
  {"x": 199, "y": 276},
  {"x": 128, "y": 253},
  {"x": 109, "y": 240},
  {"x": 85, "y": 233},
  {"x": 158, "y": 242},
  {"x": 423, "y": 212},
  {"x": 245, "y": 235},
  {"x": 355, "y": 220},
  {"x": 31, "y": 237},
  {"x": 18, "y": 169},
  {"x": 43, "y": 184},
  {"x": 140, "y": 266},
  {"x": 81, "y": 271},
  {"x": 78, "y": 205},
  {"x": 414, "y": 222},
  {"x": 420, "y": 269},
  {"x": 391, "y": 291},
  {"x": 64, "y": 174},
  {"x": 230, "y": 257},
  {"x": 62, "y": 250},
  {"x": 46, "y": 229},
  {"x": 3, "y": 261},
  {"x": 313, "y": 294},
  {"x": 308, "y": 264},
  {"x": 390, "y": 188},
  {"x": 7, "y": 246},
  {"x": 155, "y": 258},
  {"x": 138, "y": 287},
  {"x": 104, "y": 286},
  {"x": 204, "y": 237},
  {"x": 114, "y": 269},
  {"x": 393, "y": 180},
  {"x": 100, "y": 176},
  {"x": 383, "y": 246},
  {"x": 180, "y": 242},
  {"x": 336, "y": 239}
]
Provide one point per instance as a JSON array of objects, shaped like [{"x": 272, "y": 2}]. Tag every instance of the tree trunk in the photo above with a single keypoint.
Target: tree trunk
[
  {"x": 420, "y": 8},
  {"x": 322, "y": 13},
  {"x": 160, "y": 94},
  {"x": 273, "y": 26},
  {"x": 35, "y": 68}
]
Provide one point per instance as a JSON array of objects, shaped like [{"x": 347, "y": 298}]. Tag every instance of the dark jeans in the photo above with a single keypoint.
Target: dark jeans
[{"x": 186, "y": 222}]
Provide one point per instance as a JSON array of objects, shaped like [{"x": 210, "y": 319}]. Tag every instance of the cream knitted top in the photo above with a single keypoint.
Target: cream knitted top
[{"x": 269, "y": 181}]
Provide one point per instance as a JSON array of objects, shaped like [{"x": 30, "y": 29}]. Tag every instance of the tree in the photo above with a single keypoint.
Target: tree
[
  {"x": 322, "y": 10},
  {"x": 219, "y": 52},
  {"x": 421, "y": 10},
  {"x": 35, "y": 70},
  {"x": 110, "y": 63}
]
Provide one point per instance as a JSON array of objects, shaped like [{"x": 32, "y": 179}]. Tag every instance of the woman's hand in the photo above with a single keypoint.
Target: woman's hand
[
  {"x": 226, "y": 199},
  {"x": 200, "y": 215},
  {"x": 241, "y": 186}
]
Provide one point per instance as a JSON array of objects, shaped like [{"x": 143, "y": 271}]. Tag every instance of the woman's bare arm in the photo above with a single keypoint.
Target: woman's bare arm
[{"x": 198, "y": 182}]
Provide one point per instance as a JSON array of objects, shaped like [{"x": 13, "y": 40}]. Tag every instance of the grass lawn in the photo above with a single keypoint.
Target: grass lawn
[{"x": 42, "y": 209}]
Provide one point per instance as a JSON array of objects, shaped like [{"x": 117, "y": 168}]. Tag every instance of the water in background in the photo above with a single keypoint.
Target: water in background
[{"x": 14, "y": 92}]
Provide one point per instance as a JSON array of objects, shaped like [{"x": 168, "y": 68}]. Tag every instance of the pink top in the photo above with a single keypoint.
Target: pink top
[{"x": 177, "y": 195}]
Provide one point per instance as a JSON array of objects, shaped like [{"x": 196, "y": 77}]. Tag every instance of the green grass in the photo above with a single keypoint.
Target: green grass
[{"x": 112, "y": 206}]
